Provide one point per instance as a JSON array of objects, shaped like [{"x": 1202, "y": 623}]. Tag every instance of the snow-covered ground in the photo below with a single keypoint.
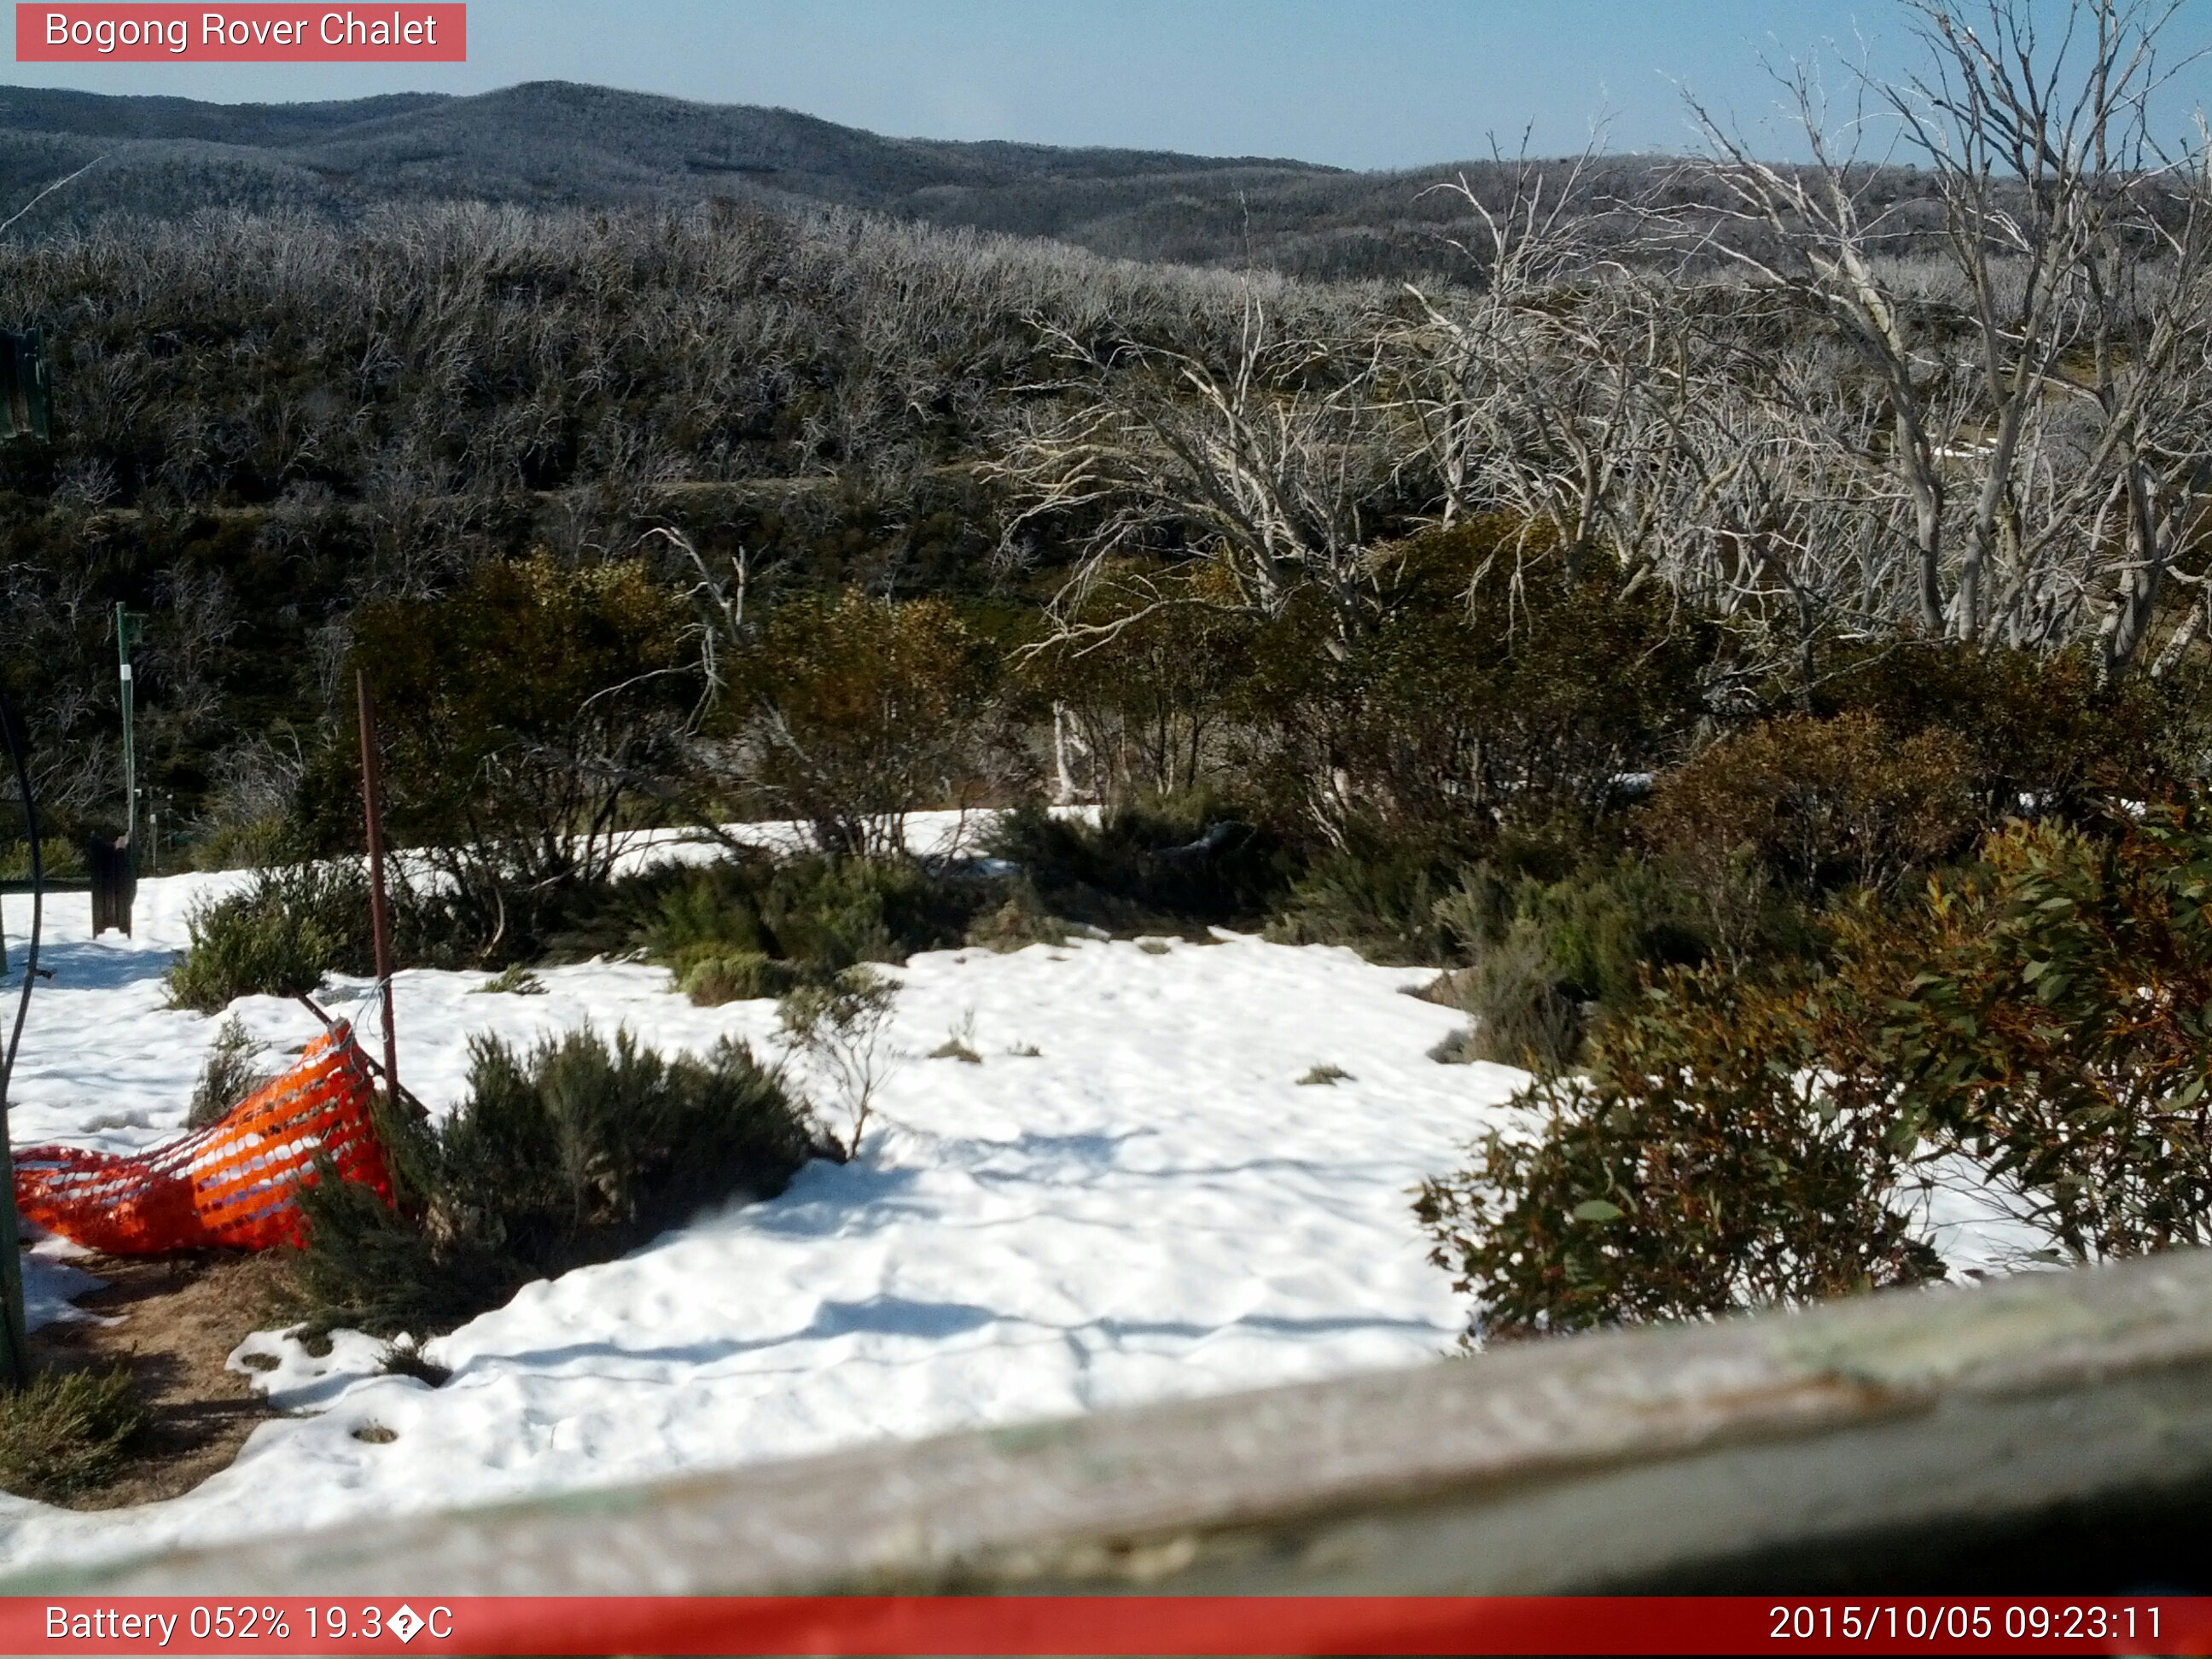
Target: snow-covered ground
[
  {"x": 1148, "y": 1205},
  {"x": 1131, "y": 1197}
]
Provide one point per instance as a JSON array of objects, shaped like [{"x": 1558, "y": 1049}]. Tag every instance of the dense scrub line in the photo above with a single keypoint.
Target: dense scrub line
[
  {"x": 263, "y": 420},
  {"x": 1767, "y": 952}
]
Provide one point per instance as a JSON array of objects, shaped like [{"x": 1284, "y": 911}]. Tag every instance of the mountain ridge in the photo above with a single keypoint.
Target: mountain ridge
[{"x": 556, "y": 143}]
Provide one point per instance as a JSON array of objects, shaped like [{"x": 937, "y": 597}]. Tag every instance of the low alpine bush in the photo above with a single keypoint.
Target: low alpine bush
[
  {"x": 734, "y": 976},
  {"x": 1702, "y": 1165},
  {"x": 1160, "y": 864},
  {"x": 2049, "y": 1013},
  {"x": 570, "y": 1153},
  {"x": 1741, "y": 1139},
  {"x": 1378, "y": 894},
  {"x": 752, "y": 922},
  {"x": 229, "y": 1075},
  {"x": 67, "y": 1432},
  {"x": 278, "y": 936},
  {"x": 1817, "y": 806}
]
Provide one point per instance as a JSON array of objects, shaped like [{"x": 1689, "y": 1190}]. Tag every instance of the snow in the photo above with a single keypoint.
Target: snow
[
  {"x": 1149, "y": 1205},
  {"x": 52, "y": 1282},
  {"x": 1131, "y": 1198}
]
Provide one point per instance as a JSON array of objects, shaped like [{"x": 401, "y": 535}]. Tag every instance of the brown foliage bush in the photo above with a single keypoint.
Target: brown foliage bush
[
  {"x": 1769, "y": 822},
  {"x": 533, "y": 718},
  {"x": 2046, "y": 737},
  {"x": 1819, "y": 805},
  {"x": 850, "y": 712},
  {"x": 1475, "y": 693},
  {"x": 1146, "y": 702},
  {"x": 2047, "y": 1013},
  {"x": 1704, "y": 1164}
]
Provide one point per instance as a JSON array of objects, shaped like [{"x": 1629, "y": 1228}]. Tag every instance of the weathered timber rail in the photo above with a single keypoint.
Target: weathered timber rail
[{"x": 2050, "y": 1429}]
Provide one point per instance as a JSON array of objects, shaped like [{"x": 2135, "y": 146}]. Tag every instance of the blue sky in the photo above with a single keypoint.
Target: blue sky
[{"x": 1359, "y": 83}]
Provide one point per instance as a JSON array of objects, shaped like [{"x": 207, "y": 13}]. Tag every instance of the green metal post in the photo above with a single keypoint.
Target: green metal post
[{"x": 130, "y": 625}]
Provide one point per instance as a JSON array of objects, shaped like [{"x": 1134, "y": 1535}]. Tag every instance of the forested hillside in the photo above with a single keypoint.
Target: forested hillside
[
  {"x": 553, "y": 143},
  {"x": 558, "y": 144},
  {"x": 263, "y": 420},
  {"x": 1759, "y": 388}
]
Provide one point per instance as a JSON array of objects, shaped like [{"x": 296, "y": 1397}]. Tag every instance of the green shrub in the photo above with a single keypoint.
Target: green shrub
[
  {"x": 242, "y": 845},
  {"x": 1477, "y": 912},
  {"x": 1378, "y": 894},
  {"x": 2042, "y": 1013},
  {"x": 680, "y": 915},
  {"x": 572, "y": 1153},
  {"x": 534, "y": 717},
  {"x": 1609, "y": 928},
  {"x": 2047, "y": 1012},
  {"x": 1161, "y": 864},
  {"x": 459, "y": 917},
  {"x": 820, "y": 916},
  {"x": 513, "y": 981},
  {"x": 59, "y": 858},
  {"x": 833, "y": 913},
  {"x": 277, "y": 938},
  {"x": 1024, "y": 920},
  {"x": 293, "y": 925},
  {"x": 229, "y": 1077},
  {"x": 581, "y": 1149},
  {"x": 68, "y": 1432},
  {"x": 1703, "y": 1166},
  {"x": 614, "y": 919},
  {"x": 856, "y": 711},
  {"x": 1549, "y": 956},
  {"x": 1524, "y": 1014},
  {"x": 736, "y": 976},
  {"x": 366, "y": 1266}
]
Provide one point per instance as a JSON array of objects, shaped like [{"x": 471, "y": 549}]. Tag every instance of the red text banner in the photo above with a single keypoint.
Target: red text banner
[
  {"x": 250, "y": 34},
  {"x": 1088, "y": 1625}
]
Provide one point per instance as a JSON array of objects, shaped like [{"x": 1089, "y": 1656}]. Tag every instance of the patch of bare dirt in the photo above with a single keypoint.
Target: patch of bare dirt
[{"x": 179, "y": 1317}]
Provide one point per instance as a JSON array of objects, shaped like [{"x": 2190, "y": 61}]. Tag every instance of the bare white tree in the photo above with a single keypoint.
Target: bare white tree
[
  {"x": 2046, "y": 399},
  {"x": 1265, "y": 465}
]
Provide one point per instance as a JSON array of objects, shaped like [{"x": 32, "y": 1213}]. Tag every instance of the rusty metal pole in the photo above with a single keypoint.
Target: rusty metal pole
[{"x": 380, "y": 911}]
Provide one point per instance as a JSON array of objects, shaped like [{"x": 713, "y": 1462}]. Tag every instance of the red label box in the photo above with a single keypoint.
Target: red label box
[
  {"x": 1223, "y": 1626},
  {"x": 366, "y": 32}
]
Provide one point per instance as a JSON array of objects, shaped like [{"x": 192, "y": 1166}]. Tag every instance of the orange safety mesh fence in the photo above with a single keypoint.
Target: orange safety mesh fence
[{"x": 235, "y": 1182}]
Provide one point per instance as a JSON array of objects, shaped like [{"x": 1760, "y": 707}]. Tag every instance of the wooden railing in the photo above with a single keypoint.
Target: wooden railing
[{"x": 2052, "y": 1424}]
